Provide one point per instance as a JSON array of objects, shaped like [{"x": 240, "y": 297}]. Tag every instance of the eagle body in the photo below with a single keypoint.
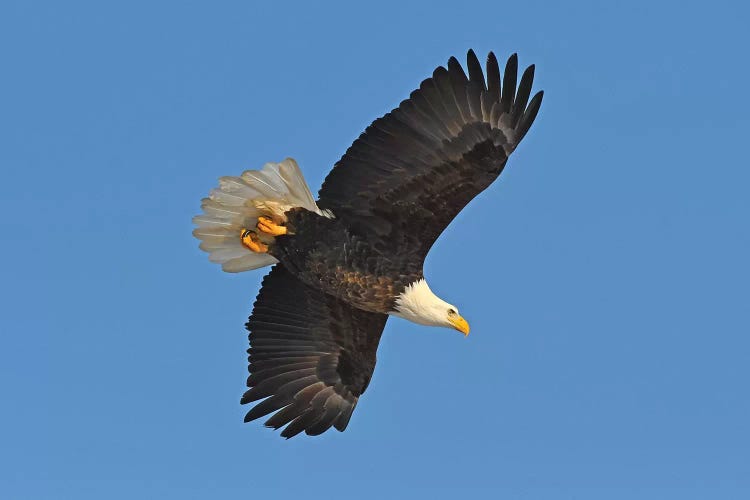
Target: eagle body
[
  {"x": 327, "y": 254},
  {"x": 347, "y": 261}
]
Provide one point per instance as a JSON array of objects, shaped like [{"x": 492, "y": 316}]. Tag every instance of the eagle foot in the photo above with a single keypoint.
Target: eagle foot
[
  {"x": 251, "y": 240},
  {"x": 268, "y": 226}
]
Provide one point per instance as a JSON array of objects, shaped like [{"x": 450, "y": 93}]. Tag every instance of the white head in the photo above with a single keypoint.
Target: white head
[{"x": 417, "y": 303}]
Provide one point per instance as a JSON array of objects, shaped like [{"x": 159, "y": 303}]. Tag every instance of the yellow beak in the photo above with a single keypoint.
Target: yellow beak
[{"x": 460, "y": 324}]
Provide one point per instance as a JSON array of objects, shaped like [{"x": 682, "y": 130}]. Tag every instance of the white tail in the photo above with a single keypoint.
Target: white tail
[{"x": 236, "y": 205}]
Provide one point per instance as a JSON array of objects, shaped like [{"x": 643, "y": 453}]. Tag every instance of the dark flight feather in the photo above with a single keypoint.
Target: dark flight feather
[
  {"x": 414, "y": 169},
  {"x": 326, "y": 365}
]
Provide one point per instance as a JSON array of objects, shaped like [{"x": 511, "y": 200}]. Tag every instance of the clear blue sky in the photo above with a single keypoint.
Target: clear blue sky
[{"x": 605, "y": 274}]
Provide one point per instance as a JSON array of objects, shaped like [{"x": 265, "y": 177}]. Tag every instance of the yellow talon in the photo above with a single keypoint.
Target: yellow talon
[
  {"x": 268, "y": 226},
  {"x": 251, "y": 241}
]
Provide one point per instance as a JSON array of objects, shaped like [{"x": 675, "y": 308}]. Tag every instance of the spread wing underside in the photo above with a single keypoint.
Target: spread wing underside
[
  {"x": 311, "y": 356},
  {"x": 410, "y": 173}
]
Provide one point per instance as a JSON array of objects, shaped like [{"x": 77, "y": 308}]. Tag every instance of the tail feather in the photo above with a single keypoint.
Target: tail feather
[
  {"x": 291, "y": 175},
  {"x": 238, "y": 202}
]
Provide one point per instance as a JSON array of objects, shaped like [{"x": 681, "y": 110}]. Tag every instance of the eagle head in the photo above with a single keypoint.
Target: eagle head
[{"x": 418, "y": 304}]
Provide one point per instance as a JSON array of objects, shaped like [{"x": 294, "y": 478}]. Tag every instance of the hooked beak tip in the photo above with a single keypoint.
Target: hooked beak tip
[{"x": 461, "y": 325}]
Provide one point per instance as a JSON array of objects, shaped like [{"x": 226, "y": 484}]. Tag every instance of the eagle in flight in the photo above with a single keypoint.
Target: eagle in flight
[{"x": 347, "y": 261}]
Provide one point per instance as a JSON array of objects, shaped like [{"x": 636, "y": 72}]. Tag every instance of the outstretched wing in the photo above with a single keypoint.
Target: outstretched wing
[
  {"x": 311, "y": 356},
  {"x": 413, "y": 170}
]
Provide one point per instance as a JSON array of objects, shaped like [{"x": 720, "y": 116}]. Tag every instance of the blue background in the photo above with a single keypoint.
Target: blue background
[{"x": 605, "y": 275}]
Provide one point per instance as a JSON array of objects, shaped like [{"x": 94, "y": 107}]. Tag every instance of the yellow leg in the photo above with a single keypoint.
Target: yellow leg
[
  {"x": 268, "y": 226},
  {"x": 251, "y": 241}
]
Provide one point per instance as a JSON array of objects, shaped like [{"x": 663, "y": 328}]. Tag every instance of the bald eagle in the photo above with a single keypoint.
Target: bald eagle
[{"x": 347, "y": 261}]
